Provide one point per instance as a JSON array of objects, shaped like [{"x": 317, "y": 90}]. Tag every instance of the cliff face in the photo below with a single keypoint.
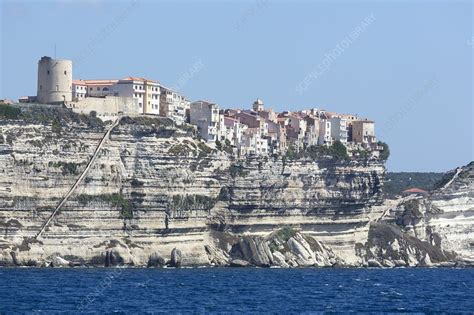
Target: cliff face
[
  {"x": 438, "y": 228},
  {"x": 154, "y": 187},
  {"x": 155, "y": 195}
]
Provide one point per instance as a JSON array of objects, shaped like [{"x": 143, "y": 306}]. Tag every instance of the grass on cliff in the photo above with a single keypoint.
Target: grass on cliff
[
  {"x": 397, "y": 182},
  {"x": 9, "y": 112},
  {"x": 278, "y": 239},
  {"x": 180, "y": 204},
  {"x": 67, "y": 168},
  {"x": 237, "y": 170},
  {"x": 55, "y": 116},
  {"x": 116, "y": 200},
  {"x": 285, "y": 233}
]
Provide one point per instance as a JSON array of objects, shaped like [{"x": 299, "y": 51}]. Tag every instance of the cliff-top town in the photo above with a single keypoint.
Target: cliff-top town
[{"x": 258, "y": 130}]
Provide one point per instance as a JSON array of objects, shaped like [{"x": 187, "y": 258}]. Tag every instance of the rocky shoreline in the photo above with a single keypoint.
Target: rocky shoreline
[{"x": 156, "y": 196}]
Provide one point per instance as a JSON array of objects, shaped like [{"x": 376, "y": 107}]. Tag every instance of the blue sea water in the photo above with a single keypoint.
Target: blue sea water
[{"x": 234, "y": 290}]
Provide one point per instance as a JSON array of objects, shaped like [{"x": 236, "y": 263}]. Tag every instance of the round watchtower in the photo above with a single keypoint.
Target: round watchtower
[{"x": 54, "y": 80}]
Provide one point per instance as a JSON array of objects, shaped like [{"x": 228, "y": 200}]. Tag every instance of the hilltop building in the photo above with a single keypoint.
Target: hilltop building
[
  {"x": 174, "y": 105},
  {"x": 207, "y": 118},
  {"x": 255, "y": 131},
  {"x": 54, "y": 80}
]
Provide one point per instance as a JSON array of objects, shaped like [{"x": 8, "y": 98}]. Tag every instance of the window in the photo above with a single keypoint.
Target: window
[
  {"x": 90, "y": 89},
  {"x": 41, "y": 87},
  {"x": 140, "y": 104},
  {"x": 105, "y": 89},
  {"x": 48, "y": 71},
  {"x": 57, "y": 87},
  {"x": 98, "y": 88},
  {"x": 65, "y": 72}
]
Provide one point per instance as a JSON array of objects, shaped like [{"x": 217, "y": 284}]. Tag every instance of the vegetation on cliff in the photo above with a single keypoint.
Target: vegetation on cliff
[
  {"x": 397, "y": 182},
  {"x": 55, "y": 116},
  {"x": 116, "y": 200},
  {"x": 180, "y": 204}
]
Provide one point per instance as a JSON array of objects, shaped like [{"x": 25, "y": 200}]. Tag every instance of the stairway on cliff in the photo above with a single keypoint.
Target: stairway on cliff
[{"x": 80, "y": 178}]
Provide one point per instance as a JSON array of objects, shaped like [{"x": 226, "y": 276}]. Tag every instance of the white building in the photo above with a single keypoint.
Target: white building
[
  {"x": 146, "y": 92},
  {"x": 324, "y": 132},
  {"x": 99, "y": 88},
  {"x": 79, "y": 90},
  {"x": 174, "y": 105},
  {"x": 339, "y": 129},
  {"x": 253, "y": 143},
  {"x": 207, "y": 118},
  {"x": 233, "y": 130}
]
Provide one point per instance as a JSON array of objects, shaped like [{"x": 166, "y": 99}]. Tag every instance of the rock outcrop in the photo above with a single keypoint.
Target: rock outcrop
[{"x": 155, "y": 189}]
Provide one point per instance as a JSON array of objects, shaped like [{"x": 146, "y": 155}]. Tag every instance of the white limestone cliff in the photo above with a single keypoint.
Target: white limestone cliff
[{"x": 155, "y": 189}]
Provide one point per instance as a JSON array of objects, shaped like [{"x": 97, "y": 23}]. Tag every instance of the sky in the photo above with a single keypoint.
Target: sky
[{"x": 407, "y": 65}]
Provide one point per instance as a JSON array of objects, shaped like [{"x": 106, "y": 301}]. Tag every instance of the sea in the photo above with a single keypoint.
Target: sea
[{"x": 236, "y": 291}]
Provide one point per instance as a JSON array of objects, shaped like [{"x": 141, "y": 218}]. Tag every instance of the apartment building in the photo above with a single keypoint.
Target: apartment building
[
  {"x": 206, "y": 116},
  {"x": 363, "y": 132},
  {"x": 174, "y": 105}
]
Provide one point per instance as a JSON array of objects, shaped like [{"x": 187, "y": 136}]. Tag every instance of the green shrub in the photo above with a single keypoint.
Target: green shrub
[
  {"x": 218, "y": 145},
  {"x": 284, "y": 234},
  {"x": 291, "y": 153},
  {"x": 136, "y": 183},
  {"x": 205, "y": 150},
  {"x": 385, "y": 153},
  {"x": 180, "y": 150},
  {"x": 56, "y": 126},
  {"x": 237, "y": 170},
  {"x": 339, "y": 150},
  {"x": 191, "y": 202},
  {"x": 9, "y": 112},
  {"x": 116, "y": 200},
  {"x": 68, "y": 168}
]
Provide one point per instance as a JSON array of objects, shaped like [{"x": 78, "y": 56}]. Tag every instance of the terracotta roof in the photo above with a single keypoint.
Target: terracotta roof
[
  {"x": 230, "y": 121},
  {"x": 95, "y": 82},
  {"x": 415, "y": 191},
  {"x": 79, "y": 82},
  {"x": 138, "y": 79}
]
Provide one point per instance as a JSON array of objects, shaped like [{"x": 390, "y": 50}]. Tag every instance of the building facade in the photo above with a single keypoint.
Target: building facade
[
  {"x": 339, "y": 129},
  {"x": 206, "y": 117},
  {"x": 174, "y": 105},
  {"x": 363, "y": 132}
]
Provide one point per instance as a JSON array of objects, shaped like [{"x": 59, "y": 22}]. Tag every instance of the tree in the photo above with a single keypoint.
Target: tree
[
  {"x": 339, "y": 150},
  {"x": 385, "y": 153},
  {"x": 291, "y": 153},
  {"x": 218, "y": 145}
]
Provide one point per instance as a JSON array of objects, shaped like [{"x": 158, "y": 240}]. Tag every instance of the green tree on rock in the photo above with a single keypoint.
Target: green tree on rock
[{"x": 385, "y": 153}]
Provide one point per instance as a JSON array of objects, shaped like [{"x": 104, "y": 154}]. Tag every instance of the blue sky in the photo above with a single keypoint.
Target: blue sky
[{"x": 409, "y": 69}]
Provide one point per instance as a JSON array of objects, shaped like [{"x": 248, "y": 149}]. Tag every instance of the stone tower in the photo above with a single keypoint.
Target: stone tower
[
  {"x": 54, "y": 80},
  {"x": 258, "y": 105}
]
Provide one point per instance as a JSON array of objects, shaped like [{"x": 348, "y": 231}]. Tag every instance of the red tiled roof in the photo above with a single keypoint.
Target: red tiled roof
[
  {"x": 138, "y": 79},
  {"x": 95, "y": 82},
  {"x": 415, "y": 191}
]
